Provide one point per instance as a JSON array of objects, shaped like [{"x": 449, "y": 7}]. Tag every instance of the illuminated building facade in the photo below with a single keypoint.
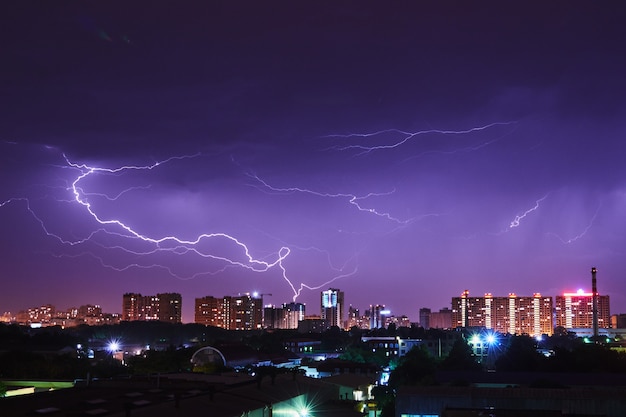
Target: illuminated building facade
[
  {"x": 575, "y": 310},
  {"x": 7, "y": 317},
  {"x": 332, "y": 307},
  {"x": 246, "y": 312},
  {"x": 401, "y": 321},
  {"x": 377, "y": 316},
  {"x": 132, "y": 307},
  {"x": 618, "y": 321},
  {"x": 295, "y": 313},
  {"x": 286, "y": 317},
  {"x": 355, "y": 319},
  {"x": 48, "y": 315},
  {"x": 513, "y": 314},
  {"x": 166, "y": 307},
  {"x": 88, "y": 310},
  {"x": 209, "y": 311},
  {"x": 43, "y": 314},
  {"x": 390, "y": 346},
  {"x": 92, "y": 315},
  {"x": 243, "y": 312}
]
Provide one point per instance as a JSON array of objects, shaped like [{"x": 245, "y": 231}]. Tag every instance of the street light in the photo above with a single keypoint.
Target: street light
[{"x": 113, "y": 346}]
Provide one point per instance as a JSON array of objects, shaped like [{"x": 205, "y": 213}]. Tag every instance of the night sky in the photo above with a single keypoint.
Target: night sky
[{"x": 399, "y": 151}]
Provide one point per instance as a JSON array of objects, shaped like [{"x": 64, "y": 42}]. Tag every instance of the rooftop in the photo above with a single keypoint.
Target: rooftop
[{"x": 182, "y": 395}]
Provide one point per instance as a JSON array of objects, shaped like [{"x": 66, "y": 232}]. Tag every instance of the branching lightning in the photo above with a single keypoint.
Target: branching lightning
[
  {"x": 172, "y": 244},
  {"x": 179, "y": 245},
  {"x": 128, "y": 247}
]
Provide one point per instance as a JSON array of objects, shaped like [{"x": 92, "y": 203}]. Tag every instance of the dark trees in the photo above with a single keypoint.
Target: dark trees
[{"x": 460, "y": 358}]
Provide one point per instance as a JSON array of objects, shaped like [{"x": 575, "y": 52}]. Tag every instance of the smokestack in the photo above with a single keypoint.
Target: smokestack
[{"x": 594, "y": 294}]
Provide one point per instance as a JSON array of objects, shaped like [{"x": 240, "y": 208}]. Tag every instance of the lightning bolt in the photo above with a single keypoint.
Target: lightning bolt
[
  {"x": 352, "y": 199},
  {"x": 405, "y": 137},
  {"x": 178, "y": 245},
  {"x": 118, "y": 195},
  {"x": 38, "y": 219},
  {"x": 516, "y": 221},
  {"x": 342, "y": 271},
  {"x": 317, "y": 287},
  {"x": 175, "y": 245},
  {"x": 580, "y": 235}
]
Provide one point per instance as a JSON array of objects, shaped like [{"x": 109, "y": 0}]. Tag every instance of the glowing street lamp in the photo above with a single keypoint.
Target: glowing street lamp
[
  {"x": 300, "y": 407},
  {"x": 482, "y": 342},
  {"x": 304, "y": 412},
  {"x": 113, "y": 346}
]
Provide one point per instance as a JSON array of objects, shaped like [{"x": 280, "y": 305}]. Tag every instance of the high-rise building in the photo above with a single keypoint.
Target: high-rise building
[
  {"x": 170, "y": 307},
  {"x": 377, "y": 316},
  {"x": 513, "y": 314},
  {"x": 465, "y": 310},
  {"x": 575, "y": 310},
  {"x": 425, "y": 318},
  {"x": 243, "y": 312},
  {"x": 285, "y": 317},
  {"x": 246, "y": 312},
  {"x": 441, "y": 319},
  {"x": 273, "y": 317},
  {"x": 332, "y": 307},
  {"x": 354, "y": 317},
  {"x": 151, "y": 307},
  {"x": 165, "y": 307},
  {"x": 132, "y": 306},
  {"x": 618, "y": 321},
  {"x": 295, "y": 314},
  {"x": 210, "y": 311}
]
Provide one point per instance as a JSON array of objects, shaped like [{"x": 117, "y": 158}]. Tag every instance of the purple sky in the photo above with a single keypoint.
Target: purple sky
[{"x": 402, "y": 152}]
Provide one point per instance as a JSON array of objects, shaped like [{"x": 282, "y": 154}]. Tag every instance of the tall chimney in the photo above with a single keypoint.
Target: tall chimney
[{"x": 594, "y": 294}]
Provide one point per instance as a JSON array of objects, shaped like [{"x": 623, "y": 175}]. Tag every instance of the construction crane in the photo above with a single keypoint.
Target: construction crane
[{"x": 256, "y": 294}]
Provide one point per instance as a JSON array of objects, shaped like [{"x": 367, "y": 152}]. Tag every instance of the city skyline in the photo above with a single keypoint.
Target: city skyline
[
  {"x": 135, "y": 305},
  {"x": 389, "y": 151}
]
